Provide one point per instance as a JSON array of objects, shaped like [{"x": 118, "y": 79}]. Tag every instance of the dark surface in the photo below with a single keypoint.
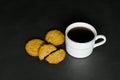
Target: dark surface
[{"x": 23, "y": 20}]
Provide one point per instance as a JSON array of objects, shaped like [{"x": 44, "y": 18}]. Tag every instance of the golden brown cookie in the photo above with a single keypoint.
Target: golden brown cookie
[
  {"x": 45, "y": 50},
  {"x": 55, "y": 37},
  {"x": 33, "y": 46},
  {"x": 56, "y": 57}
]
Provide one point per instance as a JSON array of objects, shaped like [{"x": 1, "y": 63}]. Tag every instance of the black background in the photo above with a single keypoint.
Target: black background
[{"x": 23, "y": 20}]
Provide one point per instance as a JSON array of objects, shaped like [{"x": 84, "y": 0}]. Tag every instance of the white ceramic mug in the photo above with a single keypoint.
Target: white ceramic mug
[{"x": 82, "y": 50}]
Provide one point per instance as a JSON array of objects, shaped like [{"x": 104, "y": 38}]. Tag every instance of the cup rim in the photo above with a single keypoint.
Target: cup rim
[{"x": 94, "y": 32}]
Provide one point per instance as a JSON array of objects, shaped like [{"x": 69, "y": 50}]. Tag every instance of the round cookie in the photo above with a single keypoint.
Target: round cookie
[
  {"x": 45, "y": 50},
  {"x": 33, "y": 46},
  {"x": 56, "y": 57},
  {"x": 55, "y": 37}
]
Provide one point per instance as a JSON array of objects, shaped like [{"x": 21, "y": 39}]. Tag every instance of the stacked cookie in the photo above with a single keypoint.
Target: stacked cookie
[{"x": 48, "y": 51}]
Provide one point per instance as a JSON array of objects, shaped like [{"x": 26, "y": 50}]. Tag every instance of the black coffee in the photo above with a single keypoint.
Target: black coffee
[{"x": 80, "y": 34}]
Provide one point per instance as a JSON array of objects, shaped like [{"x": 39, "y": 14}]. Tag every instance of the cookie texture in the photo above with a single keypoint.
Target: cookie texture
[
  {"x": 56, "y": 57},
  {"x": 33, "y": 46},
  {"x": 55, "y": 37},
  {"x": 45, "y": 50}
]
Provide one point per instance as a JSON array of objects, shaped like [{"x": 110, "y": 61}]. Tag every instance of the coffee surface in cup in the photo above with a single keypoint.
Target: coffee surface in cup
[{"x": 80, "y": 34}]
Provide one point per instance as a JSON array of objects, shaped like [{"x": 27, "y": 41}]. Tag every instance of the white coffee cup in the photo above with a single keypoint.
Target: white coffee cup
[{"x": 82, "y": 50}]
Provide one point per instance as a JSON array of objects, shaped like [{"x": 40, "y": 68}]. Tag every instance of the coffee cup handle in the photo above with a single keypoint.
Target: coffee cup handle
[{"x": 101, "y": 42}]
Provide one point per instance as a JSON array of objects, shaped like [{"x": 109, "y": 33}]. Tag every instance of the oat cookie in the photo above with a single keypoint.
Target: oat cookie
[
  {"x": 55, "y": 37},
  {"x": 56, "y": 57},
  {"x": 45, "y": 50},
  {"x": 33, "y": 46}
]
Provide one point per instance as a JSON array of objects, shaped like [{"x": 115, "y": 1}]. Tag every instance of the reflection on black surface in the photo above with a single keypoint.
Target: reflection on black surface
[{"x": 92, "y": 66}]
